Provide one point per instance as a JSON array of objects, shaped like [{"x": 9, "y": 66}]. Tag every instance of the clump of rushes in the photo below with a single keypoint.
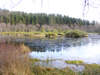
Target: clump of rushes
[
  {"x": 74, "y": 62},
  {"x": 51, "y": 35},
  {"x": 76, "y": 34}
]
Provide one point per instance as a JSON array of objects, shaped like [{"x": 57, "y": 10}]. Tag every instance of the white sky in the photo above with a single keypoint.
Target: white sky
[{"x": 72, "y": 8}]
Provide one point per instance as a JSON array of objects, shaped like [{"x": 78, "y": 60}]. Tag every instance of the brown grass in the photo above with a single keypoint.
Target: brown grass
[{"x": 13, "y": 61}]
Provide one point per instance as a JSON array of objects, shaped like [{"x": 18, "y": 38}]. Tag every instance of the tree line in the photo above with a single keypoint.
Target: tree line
[{"x": 15, "y": 18}]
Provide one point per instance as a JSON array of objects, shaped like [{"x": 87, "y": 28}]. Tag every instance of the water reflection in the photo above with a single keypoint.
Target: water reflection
[
  {"x": 40, "y": 45},
  {"x": 87, "y": 49}
]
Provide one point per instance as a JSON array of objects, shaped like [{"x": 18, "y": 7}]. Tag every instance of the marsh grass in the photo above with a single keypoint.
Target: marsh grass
[
  {"x": 51, "y": 35},
  {"x": 90, "y": 69},
  {"x": 13, "y": 61},
  {"x": 75, "y": 34},
  {"x": 47, "y": 34},
  {"x": 74, "y": 62},
  {"x": 39, "y": 70},
  {"x": 24, "y": 34}
]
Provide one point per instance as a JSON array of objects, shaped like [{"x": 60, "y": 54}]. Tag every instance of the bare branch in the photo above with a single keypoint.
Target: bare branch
[{"x": 90, "y": 4}]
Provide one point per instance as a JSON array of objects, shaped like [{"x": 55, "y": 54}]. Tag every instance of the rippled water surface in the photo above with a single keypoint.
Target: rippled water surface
[{"x": 87, "y": 49}]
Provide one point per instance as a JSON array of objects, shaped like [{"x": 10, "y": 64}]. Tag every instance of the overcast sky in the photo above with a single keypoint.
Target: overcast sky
[{"x": 72, "y": 8}]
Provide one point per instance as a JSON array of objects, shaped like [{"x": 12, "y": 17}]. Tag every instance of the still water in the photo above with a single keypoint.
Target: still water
[{"x": 86, "y": 49}]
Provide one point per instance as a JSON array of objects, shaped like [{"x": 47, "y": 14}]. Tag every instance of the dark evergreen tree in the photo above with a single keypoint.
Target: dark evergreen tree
[{"x": 15, "y": 18}]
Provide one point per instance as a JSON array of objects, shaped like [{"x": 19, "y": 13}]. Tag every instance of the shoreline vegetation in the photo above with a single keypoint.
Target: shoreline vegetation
[{"x": 50, "y": 34}]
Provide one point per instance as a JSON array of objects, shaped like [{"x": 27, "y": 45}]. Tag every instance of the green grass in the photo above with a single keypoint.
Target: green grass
[{"x": 74, "y": 62}]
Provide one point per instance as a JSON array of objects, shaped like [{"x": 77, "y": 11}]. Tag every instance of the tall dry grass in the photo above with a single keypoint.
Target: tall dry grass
[{"x": 13, "y": 61}]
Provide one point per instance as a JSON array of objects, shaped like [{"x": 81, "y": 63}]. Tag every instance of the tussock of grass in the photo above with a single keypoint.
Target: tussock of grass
[
  {"x": 51, "y": 35},
  {"x": 75, "y": 34},
  {"x": 74, "y": 62}
]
